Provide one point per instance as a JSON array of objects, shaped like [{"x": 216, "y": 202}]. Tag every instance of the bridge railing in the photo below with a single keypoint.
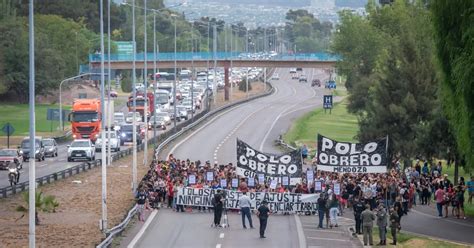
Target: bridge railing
[{"x": 210, "y": 56}]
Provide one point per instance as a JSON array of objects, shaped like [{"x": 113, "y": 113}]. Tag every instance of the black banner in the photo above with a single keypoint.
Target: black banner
[
  {"x": 344, "y": 157},
  {"x": 251, "y": 163}
]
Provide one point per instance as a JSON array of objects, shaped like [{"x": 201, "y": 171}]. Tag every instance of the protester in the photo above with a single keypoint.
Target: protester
[
  {"x": 439, "y": 195},
  {"x": 333, "y": 209},
  {"x": 358, "y": 208},
  {"x": 470, "y": 189},
  {"x": 141, "y": 201},
  {"x": 263, "y": 212},
  {"x": 394, "y": 225},
  {"x": 458, "y": 200},
  {"x": 322, "y": 201},
  {"x": 244, "y": 202},
  {"x": 382, "y": 224},
  {"x": 368, "y": 218},
  {"x": 304, "y": 153},
  {"x": 217, "y": 203}
]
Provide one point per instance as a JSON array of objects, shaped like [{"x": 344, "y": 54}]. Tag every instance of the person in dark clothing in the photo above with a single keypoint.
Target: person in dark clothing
[
  {"x": 321, "y": 210},
  {"x": 358, "y": 209},
  {"x": 217, "y": 202},
  {"x": 263, "y": 212}
]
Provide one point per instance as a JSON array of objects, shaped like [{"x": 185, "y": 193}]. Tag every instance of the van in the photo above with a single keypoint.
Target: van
[{"x": 24, "y": 149}]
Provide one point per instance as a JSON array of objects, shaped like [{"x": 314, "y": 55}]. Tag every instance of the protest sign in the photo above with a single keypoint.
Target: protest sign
[
  {"x": 273, "y": 184},
  {"x": 261, "y": 178},
  {"x": 337, "y": 188},
  {"x": 285, "y": 181},
  {"x": 251, "y": 182},
  {"x": 309, "y": 176},
  {"x": 344, "y": 157},
  {"x": 223, "y": 183},
  {"x": 235, "y": 182},
  {"x": 318, "y": 186},
  {"x": 210, "y": 176},
  {"x": 279, "y": 202},
  {"x": 251, "y": 162},
  {"x": 192, "y": 179}
]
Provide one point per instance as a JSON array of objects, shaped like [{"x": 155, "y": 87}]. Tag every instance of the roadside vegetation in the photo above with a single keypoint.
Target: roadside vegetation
[
  {"x": 406, "y": 240},
  {"x": 17, "y": 115}
]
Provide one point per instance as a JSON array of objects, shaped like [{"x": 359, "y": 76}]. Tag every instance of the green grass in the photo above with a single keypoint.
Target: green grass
[
  {"x": 339, "y": 125},
  {"x": 411, "y": 240},
  {"x": 18, "y": 116}
]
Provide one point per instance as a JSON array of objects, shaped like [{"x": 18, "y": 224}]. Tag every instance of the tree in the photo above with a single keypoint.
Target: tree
[
  {"x": 391, "y": 76},
  {"x": 455, "y": 49},
  {"x": 43, "y": 203}
]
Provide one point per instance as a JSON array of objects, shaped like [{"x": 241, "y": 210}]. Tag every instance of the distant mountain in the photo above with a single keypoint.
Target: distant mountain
[{"x": 351, "y": 3}]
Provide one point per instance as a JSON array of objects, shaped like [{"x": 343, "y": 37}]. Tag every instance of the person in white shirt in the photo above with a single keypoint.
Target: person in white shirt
[{"x": 244, "y": 203}]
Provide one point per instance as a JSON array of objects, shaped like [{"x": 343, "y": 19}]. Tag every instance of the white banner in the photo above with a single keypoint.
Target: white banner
[{"x": 280, "y": 202}]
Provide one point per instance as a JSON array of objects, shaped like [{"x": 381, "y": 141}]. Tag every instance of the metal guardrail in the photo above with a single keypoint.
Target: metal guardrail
[
  {"x": 203, "y": 116},
  {"x": 282, "y": 143}
]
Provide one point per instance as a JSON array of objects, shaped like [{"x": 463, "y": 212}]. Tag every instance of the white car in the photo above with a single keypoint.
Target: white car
[
  {"x": 131, "y": 115},
  {"x": 275, "y": 76},
  {"x": 81, "y": 149},
  {"x": 166, "y": 117},
  {"x": 114, "y": 141},
  {"x": 119, "y": 118},
  {"x": 189, "y": 106}
]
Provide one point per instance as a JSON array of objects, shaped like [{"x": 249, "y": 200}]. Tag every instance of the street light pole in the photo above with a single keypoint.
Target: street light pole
[
  {"x": 214, "y": 45},
  {"x": 145, "y": 112},
  {"x": 247, "y": 68},
  {"x": 134, "y": 122},
  {"x": 175, "y": 75},
  {"x": 109, "y": 115},
  {"x": 102, "y": 89},
  {"x": 31, "y": 175},
  {"x": 154, "y": 76}
]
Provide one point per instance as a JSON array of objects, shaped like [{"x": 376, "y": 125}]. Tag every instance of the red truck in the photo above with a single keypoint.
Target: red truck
[{"x": 140, "y": 103}]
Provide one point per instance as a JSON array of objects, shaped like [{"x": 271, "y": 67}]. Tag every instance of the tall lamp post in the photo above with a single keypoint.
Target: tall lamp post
[
  {"x": 134, "y": 122},
  {"x": 145, "y": 112},
  {"x": 102, "y": 89},
  {"x": 31, "y": 175}
]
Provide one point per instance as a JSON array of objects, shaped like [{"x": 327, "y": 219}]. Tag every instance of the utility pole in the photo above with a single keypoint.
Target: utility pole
[
  {"x": 145, "y": 78},
  {"x": 214, "y": 88},
  {"x": 109, "y": 117},
  {"x": 31, "y": 174},
  {"x": 134, "y": 95},
  {"x": 154, "y": 77},
  {"x": 247, "y": 69},
  {"x": 102, "y": 101},
  {"x": 175, "y": 75}
]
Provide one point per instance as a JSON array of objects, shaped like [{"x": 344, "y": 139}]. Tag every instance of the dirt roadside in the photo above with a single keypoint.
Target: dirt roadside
[{"x": 76, "y": 222}]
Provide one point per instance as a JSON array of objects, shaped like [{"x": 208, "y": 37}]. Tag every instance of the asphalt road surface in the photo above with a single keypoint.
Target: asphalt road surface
[
  {"x": 259, "y": 123},
  {"x": 54, "y": 164}
]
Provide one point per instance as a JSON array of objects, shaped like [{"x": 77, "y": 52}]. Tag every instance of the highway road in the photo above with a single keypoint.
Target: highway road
[
  {"x": 54, "y": 164},
  {"x": 258, "y": 123}
]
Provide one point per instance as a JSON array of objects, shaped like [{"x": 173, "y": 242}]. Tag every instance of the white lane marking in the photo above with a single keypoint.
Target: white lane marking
[
  {"x": 142, "y": 230},
  {"x": 218, "y": 246},
  {"x": 43, "y": 165},
  {"x": 278, "y": 117},
  {"x": 60, "y": 160},
  {"x": 221, "y": 235},
  {"x": 299, "y": 230},
  {"x": 342, "y": 240},
  {"x": 323, "y": 231}
]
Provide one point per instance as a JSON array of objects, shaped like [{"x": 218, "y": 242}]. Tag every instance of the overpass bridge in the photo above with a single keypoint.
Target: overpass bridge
[{"x": 223, "y": 59}]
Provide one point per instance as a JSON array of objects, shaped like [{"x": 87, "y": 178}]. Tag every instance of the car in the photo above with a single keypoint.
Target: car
[
  {"x": 189, "y": 106},
  {"x": 182, "y": 112},
  {"x": 293, "y": 70},
  {"x": 166, "y": 117},
  {"x": 50, "y": 147},
  {"x": 81, "y": 149},
  {"x": 159, "y": 122},
  {"x": 275, "y": 76},
  {"x": 8, "y": 156},
  {"x": 25, "y": 149},
  {"x": 299, "y": 69},
  {"x": 295, "y": 76},
  {"x": 131, "y": 115},
  {"x": 126, "y": 134},
  {"x": 119, "y": 118},
  {"x": 113, "y": 93},
  {"x": 303, "y": 79},
  {"x": 114, "y": 141}
]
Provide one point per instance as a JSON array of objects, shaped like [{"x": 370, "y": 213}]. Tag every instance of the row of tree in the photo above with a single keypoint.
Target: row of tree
[{"x": 394, "y": 81}]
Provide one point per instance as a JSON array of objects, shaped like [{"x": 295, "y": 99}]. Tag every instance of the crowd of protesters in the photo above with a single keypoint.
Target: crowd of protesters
[{"x": 393, "y": 193}]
